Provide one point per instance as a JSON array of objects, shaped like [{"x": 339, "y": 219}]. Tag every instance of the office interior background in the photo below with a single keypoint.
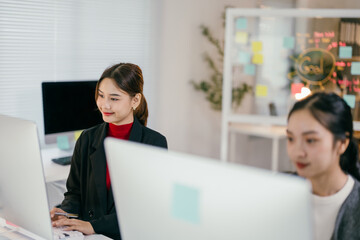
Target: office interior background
[{"x": 65, "y": 40}]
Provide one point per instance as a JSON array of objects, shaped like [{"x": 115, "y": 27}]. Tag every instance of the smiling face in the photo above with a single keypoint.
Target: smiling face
[
  {"x": 115, "y": 105},
  {"x": 311, "y": 146}
]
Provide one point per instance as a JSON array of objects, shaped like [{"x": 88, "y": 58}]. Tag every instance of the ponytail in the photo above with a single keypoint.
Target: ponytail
[
  {"x": 141, "y": 112},
  {"x": 349, "y": 160}
]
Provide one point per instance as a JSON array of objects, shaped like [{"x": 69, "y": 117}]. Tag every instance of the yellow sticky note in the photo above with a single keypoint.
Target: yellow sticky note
[
  {"x": 257, "y": 58},
  {"x": 241, "y": 37},
  {"x": 77, "y": 134},
  {"x": 261, "y": 90},
  {"x": 256, "y": 46}
]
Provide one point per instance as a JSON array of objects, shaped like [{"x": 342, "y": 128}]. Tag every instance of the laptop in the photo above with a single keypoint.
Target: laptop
[
  {"x": 164, "y": 195},
  {"x": 23, "y": 197}
]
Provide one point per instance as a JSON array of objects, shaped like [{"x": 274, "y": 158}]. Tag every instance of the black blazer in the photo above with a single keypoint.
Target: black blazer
[{"x": 87, "y": 194}]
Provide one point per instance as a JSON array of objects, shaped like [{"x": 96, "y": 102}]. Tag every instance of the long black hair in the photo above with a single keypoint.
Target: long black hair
[
  {"x": 128, "y": 78},
  {"x": 332, "y": 112}
]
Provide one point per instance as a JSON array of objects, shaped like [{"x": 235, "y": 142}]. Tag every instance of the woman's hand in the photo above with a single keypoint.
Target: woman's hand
[
  {"x": 56, "y": 217},
  {"x": 74, "y": 224}
]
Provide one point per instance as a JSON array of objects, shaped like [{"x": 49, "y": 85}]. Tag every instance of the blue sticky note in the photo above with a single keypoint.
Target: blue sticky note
[
  {"x": 289, "y": 42},
  {"x": 185, "y": 203},
  {"x": 249, "y": 69},
  {"x": 350, "y": 100},
  {"x": 345, "y": 52},
  {"x": 63, "y": 142},
  {"x": 241, "y": 23},
  {"x": 355, "y": 68},
  {"x": 244, "y": 57}
]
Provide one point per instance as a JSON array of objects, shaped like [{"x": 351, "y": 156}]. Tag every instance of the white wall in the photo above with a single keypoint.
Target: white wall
[{"x": 185, "y": 117}]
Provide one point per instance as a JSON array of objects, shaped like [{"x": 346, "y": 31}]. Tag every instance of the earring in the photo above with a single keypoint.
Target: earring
[{"x": 134, "y": 108}]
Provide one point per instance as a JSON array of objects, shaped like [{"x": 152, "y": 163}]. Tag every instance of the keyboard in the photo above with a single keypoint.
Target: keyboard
[
  {"x": 62, "y": 160},
  {"x": 59, "y": 234}
]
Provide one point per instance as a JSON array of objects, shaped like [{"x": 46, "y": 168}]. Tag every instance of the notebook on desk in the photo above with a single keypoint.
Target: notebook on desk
[
  {"x": 23, "y": 197},
  {"x": 166, "y": 195}
]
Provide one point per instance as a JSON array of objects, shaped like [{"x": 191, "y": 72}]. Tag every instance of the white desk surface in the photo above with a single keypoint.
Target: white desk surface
[
  {"x": 275, "y": 133},
  {"x": 34, "y": 236},
  {"x": 53, "y": 171},
  {"x": 265, "y": 131}
]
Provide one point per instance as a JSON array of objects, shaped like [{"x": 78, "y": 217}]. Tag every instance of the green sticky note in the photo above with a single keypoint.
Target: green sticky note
[
  {"x": 355, "y": 68},
  {"x": 63, "y": 142},
  {"x": 350, "y": 100},
  {"x": 345, "y": 52},
  {"x": 289, "y": 42},
  {"x": 241, "y": 37},
  {"x": 256, "y": 46},
  {"x": 249, "y": 69},
  {"x": 241, "y": 23},
  {"x": 185, "y": 203},
  {"x": 244, "y": 57},
  {"x": 261, "y": 90}
]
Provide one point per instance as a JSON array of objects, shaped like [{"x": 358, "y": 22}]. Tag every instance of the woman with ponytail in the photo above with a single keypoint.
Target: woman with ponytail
[
  {"x": 321, "y": 146},
  {"x": 119, "y": 97}
]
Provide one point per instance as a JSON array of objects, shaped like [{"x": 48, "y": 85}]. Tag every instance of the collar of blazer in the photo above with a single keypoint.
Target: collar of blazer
[{"x": 101, "y": 133}]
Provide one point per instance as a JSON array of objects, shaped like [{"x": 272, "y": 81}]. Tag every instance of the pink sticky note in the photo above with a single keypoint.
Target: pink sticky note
[{"x": 296, "y": 88}]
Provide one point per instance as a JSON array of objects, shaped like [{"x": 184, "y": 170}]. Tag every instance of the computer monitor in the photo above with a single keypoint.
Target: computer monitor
[
  {"x": 165, "y": 195},
  {"x": 68, "y": 107},
  {"x": 23, "y": 198}
]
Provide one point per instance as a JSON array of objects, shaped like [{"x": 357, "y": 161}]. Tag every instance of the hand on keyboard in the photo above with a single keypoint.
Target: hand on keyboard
[
  {"x": 59, "y": 233},
  {"x": 84, "y": 227}
]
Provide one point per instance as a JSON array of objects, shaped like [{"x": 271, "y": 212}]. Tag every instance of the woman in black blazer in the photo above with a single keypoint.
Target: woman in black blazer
[{"x": 124, "y": 109}]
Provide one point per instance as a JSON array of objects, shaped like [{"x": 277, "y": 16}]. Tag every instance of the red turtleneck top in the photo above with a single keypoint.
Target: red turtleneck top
[{"x": 120, "y": 132}]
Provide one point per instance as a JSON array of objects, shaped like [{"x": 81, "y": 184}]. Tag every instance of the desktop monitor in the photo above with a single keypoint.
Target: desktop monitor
[
  {"x": 165, "y": 195},
  {"x": 67, "y": 107},
  {"x": 23, "y": 198}
]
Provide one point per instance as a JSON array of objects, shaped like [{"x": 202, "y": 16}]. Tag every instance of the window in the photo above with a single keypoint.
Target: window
[{"x": 66, "y": 40}]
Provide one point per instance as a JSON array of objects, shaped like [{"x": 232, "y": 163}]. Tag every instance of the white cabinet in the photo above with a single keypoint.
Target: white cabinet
[{"x": 277, "y": 52}]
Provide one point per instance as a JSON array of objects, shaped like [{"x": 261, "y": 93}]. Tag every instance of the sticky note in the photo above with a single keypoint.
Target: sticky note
[
  {"x": 185, "y": 203},
  {"x": 241, "y": 37},
  {"x": 345, "y": 52},
  {"x": 257, "y": 58},
  {"x": 256, "y": 46},
  {"x": 77, "y": 134},
  {"x": 63, "y": 142},
  {"x": 243, "y": 57},
  {"x": 261, "y": 90},
  {"x": 289, "y": 42},
  {"x": 296, "y": 88},
  {"x": 241, "y": 23},
  {"x": 249, "y": 69},
  {"x": 355, "y": 68},
  {"x": 350, "y": 100}
]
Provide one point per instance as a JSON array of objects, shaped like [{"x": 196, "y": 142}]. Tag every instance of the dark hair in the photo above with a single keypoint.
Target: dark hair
[
  {"x": 332, "y": 112},
  {"x": 128, "y": 78}
]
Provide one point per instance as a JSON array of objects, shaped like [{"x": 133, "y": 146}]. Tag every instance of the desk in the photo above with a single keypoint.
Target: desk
[
  {"x": 275, "y": 133},
  {"x": 55, "y": 174},
  {"x": 29, "y": 235}
]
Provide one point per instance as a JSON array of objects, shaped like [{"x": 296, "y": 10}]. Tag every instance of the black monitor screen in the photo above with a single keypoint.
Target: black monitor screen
[{"x": 69, "y": 106}]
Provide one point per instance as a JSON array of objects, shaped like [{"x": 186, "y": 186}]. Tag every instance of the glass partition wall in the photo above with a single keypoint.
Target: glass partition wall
[{"x": 283, "y": 55}]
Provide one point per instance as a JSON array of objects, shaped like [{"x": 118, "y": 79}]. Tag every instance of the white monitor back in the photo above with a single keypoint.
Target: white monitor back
[
  {"x": 23, "y": 198},
  {"x": 166, "y": 195}
]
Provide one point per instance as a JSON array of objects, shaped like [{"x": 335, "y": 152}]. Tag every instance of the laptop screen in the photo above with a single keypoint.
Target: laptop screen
[
  {"x": 162, "y": 194},
  {"x": 23, "y": 198}
]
